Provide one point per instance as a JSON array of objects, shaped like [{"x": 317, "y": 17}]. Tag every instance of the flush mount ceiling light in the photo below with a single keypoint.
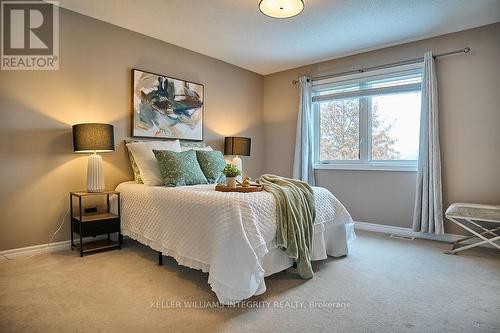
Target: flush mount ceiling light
[{"x": 281, "y": 8}]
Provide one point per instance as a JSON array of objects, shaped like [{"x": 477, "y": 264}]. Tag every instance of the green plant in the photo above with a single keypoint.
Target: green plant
[{"x": 231, "y": 171}]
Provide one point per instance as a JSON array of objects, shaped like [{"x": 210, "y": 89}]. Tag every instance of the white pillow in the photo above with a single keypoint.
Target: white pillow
[{"x": 146, "y": 160}]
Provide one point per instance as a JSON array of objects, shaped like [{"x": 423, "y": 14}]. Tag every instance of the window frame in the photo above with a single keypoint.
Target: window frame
[{"x": 365, "y": 122}]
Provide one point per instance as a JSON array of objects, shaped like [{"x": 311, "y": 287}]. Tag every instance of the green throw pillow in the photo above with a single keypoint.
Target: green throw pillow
[
  {"x": 179, "y": 168},
  {"x": 212, "y": 164}
]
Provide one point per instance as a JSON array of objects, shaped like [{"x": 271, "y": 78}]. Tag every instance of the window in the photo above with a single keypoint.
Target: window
[{"x": 368, "y": 122}]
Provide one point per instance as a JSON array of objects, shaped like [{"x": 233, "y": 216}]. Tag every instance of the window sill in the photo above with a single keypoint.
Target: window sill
[{"x": 367, "y": 166}]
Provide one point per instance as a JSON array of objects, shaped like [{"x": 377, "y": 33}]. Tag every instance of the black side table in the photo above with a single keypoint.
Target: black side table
[{"x": 94, "y": 224}]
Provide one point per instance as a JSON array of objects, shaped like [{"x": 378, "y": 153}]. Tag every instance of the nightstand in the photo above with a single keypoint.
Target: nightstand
[{"x": 95, "y": 223}]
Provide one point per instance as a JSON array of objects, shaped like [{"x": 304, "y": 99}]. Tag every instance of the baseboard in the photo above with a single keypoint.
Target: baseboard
[
  {"x": 407, "y": 232},
  {"x": 386, "y": 229},
  {"x": 400, "y": 231},
  {"x": 43, "y": 248}
]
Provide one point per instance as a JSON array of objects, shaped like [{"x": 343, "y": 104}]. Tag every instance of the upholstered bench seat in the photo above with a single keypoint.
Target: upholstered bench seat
[{"x": 482, "y": 221}]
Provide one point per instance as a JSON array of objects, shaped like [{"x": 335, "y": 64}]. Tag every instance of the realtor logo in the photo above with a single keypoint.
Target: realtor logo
[{"x": 30, "y": 35}]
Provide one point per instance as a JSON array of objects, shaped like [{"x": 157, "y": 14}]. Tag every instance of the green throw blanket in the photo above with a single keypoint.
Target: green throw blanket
[{"x": 295, "y": 214}]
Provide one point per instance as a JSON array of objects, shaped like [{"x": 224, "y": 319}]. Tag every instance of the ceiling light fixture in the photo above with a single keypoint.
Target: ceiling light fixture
[{"x": 281, "y": 8}]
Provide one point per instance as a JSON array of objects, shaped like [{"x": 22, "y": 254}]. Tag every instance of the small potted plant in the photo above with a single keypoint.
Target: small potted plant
[{"x": 231, "y": 172}]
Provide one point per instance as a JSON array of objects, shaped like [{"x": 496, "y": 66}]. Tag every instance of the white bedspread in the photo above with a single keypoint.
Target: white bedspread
[{"x": 224, "y": 234}]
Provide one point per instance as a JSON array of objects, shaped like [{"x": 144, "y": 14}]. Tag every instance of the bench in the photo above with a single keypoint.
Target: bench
[{"x": 482, "y": 221}]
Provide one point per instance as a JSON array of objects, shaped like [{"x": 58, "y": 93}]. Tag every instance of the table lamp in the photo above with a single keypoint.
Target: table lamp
[
  {"x": 237, "y": 146},
  {"x": 94, "y": 138}
]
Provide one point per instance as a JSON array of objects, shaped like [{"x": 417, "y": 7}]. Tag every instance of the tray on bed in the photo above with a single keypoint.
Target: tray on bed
[{"x": 239, "y": 188}]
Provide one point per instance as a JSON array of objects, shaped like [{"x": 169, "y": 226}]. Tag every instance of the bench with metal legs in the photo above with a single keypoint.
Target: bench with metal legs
[{"x": 480, "y": 220}]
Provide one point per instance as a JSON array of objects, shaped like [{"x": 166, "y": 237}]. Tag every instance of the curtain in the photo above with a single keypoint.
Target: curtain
[
  {"x": 303, "y": 161},
  {"x": 428, "y": 213}
]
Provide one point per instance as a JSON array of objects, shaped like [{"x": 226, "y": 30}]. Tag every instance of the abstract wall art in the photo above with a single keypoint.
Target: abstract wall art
[{"x": 166, "y": 107}]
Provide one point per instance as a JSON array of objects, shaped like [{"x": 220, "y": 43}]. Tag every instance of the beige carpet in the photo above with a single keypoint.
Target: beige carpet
[{"x": 384, "y": 285}]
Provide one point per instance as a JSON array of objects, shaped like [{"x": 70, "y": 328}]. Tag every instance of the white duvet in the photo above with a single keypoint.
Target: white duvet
[{"x": 224, "y": 234}]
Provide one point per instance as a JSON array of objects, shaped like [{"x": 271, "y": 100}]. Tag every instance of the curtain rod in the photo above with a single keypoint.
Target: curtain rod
[{"x": 404, "y": 62}]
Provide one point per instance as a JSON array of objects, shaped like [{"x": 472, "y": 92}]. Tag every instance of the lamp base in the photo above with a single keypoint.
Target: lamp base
[
  {"x": 95, "y": 174},
  {"x": 238, "y": 164}
]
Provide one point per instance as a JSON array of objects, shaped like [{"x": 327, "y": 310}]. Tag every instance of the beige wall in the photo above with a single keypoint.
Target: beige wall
[
  {"x": 469, "y": 101},
  {"x": 37, "y": 108}
]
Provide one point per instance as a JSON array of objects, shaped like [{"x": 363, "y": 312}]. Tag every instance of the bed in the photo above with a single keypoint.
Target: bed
[{"x": 228, "y": 235}]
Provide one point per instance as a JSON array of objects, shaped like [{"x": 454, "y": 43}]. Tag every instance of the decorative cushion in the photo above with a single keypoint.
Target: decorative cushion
[
  {"x": 133, "y": 165},
  {"x": 135, "y": 168},
  {"x": 142, "y": 152},
  {"x": 184, "y": 146},
  {"x": 179, "y": 168},
  {"x": 212, "y": 164}
]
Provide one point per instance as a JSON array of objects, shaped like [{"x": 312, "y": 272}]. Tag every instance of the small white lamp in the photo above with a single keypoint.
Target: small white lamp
[
  {"x": 94, "y": 138},
  {"x": 237, "y": 146}
]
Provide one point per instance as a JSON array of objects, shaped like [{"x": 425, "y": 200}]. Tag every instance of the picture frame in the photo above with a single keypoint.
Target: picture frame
[{"x": 165, "y": 107}]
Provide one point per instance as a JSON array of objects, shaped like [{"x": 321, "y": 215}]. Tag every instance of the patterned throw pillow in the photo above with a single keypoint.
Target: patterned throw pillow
[
  {"x": 184, "y": 146},
  {"x": 135, "y": 168},
  {"x": 212, "y": 164},
  {"x": 146, "y": 160},
  {"x": 179, "y": 168}
]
